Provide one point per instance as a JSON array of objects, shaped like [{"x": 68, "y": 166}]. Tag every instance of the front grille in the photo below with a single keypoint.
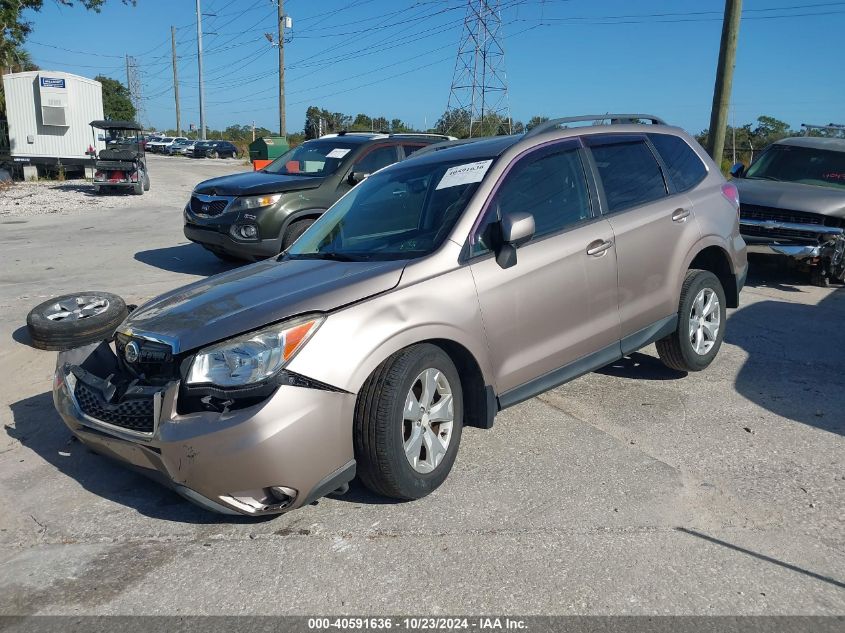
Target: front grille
[
  {"x": 757, "y": 212},
  {"x": 136, "y": 414},
  {"x": 781, "y": 234},
  {"x": 213, "y": 207}
]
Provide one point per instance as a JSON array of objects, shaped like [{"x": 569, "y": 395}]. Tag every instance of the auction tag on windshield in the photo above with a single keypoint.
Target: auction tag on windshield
[
  {"x": 338, "y": 152},
  {"x": 464, "y": 174}
]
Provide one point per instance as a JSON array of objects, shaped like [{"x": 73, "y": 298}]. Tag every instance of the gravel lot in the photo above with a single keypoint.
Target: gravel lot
[{"x": 633, "y": 490}]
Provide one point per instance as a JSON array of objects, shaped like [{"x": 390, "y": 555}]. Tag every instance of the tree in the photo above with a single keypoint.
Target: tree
[
  {"x": 116, "y": 103},
  {"x": 534, "y": 121}
]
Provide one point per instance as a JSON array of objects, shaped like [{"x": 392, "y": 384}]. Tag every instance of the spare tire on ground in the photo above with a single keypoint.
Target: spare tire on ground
[{"x": 75, "y": 320}]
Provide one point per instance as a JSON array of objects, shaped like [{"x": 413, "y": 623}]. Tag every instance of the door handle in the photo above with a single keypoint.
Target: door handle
[
  {"x": 680, "y": 215},
  {"x": 598, "y": 247}
]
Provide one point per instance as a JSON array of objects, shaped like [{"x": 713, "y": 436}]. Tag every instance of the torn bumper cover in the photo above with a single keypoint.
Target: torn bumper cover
[{"x": 254, "y": 460}]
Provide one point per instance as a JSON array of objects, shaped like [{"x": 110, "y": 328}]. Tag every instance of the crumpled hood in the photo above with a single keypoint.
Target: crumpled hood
[
  {"x": 792, "y": 196},
  {"x": 248, "y": 298},
  {"x": 255, "y": 183}
]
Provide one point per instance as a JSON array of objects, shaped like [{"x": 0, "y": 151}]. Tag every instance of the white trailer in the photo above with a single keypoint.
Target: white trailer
[{"x": 48, "y": 115}]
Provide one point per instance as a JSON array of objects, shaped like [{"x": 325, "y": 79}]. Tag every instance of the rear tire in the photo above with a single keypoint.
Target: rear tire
[
  {"x": 400, "y": 420},
  {"x": 701, "y": 324},
  {"x": 214, "y": 154},
  {"x": 293, "y": 232},
  {"x": 146, "y": 181}
]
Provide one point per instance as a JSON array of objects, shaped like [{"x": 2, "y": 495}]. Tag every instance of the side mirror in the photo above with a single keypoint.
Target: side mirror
[
  {"x": 517, "y": 228},
  {"x": 357, "y": 176},
  {"x": 737, "y": 170}
]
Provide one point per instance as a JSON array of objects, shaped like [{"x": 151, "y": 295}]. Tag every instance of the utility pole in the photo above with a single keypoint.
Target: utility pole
[
  {"x": 199, "y": 64},
  {"x": 175, "y": 81},
  {"x": 724, "y": 80},
  {"x": 282, "y": 117}
]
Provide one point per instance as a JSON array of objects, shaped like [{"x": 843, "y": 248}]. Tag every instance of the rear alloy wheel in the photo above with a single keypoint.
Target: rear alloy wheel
[
  {"x": 408, "y": 423},
  {"x": 701, "y": 324},
  {"x": 75, "y": 320}
]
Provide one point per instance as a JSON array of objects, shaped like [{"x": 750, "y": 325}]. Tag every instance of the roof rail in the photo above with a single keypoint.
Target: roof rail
[
  {"x": 615, "y": 119},
  {"x": 436, "y": 147},
  {"x": 445, "y": 137}
]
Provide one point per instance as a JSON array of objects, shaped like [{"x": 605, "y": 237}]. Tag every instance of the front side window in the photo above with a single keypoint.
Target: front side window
[
  {"x": 376, "y": 159},
  {"x": 629, "y": 173},
  {"x": 806, "y": 165},
  {"x": 684, "y": 166},
  {"x": 319, "y": 157},
  {"x": 404, "y": 212},
  {"x": 551, "y": 187}
]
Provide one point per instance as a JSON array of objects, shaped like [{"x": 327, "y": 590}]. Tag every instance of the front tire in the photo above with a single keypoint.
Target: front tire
[
  {"x": 701, "y": 324},
  {"x": 408, "y": 422},
  {"x": 293, "y": 232}
]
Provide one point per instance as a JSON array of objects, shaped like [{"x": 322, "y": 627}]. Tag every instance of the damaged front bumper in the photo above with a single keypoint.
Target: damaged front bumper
[
  {"x": 811, "y": 244},
  {"x": 280, "y": 454}
]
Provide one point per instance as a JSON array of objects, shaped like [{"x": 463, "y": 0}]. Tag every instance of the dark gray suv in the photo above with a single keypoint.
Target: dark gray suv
[{"x": 258, "y": 214}]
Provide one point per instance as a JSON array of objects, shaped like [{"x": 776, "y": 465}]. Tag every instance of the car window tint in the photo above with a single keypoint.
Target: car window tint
[
  {"x": 376, "y": 159},
  {"x": 629, "y": 173},
  {"x": 552, "y": 188},
  {"x": 684, "y": 166}
]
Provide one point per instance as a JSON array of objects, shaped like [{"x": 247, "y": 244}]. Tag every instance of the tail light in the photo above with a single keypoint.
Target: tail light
[
  {"x": 731, "y": 192},
  {"x": 99, "y": 175},
  {"x": 134, "y": 176}
]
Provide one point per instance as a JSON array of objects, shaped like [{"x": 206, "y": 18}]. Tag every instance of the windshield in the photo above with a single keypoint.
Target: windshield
[
  {"x": 312, "y": 158},
  {"x": 401, "y": 213},
  {"x": 806, "y": 165}
]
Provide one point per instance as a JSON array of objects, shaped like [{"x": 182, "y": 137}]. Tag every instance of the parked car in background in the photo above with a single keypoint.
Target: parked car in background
[
  {"x": 188, "y": 148},
  {"x": 157, "y": 145},
  {"x": 437, "y": 292},
  {"x": 173, "y": 148},
  {"x": 215, "y": 149},
  {"x": 792, "y": 203},
  {"x": 260, "y": 213}
]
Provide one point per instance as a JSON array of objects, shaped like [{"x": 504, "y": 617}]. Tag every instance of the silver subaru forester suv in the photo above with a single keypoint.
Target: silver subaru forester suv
[{"x": 439, "y": 291}]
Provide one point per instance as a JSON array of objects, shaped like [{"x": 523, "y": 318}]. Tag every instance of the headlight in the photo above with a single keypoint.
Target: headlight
[
  {"x": 254, "y": 202},
  {"x": 253, "y": 357}
]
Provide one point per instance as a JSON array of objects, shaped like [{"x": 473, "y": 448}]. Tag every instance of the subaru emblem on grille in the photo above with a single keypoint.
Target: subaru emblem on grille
[
  {"x": 205, "y": 207},
  {"x": 131, "y": 353}
]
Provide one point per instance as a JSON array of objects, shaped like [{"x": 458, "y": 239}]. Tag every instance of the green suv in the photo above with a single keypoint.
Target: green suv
[{"x": 258, "y": 214}]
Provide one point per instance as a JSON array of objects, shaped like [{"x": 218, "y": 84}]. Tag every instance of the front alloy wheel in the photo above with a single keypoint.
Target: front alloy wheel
[
  {"x": 428, "y": 420},
  {"x": 408, "y": 422}
]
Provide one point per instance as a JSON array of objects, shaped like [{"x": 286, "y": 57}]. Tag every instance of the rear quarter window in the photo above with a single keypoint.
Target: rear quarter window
[{"x": 684, "y": 166}]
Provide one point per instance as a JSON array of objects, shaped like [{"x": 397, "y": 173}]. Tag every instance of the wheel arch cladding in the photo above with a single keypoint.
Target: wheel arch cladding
[{"x": 716, "y": 260}]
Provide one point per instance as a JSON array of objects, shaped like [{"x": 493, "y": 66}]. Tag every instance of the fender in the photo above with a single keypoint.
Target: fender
[
  {"x": 705, "y": 242},
  {"x": 356, "y": 339}
]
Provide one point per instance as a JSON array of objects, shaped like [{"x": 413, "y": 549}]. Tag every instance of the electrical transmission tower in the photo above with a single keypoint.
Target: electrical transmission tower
[
  {"x": 133, "y": 84},
  {"x": 480, "y": 84}
]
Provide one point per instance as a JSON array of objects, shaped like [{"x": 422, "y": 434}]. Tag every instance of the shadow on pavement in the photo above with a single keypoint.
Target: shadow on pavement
[
  {"x": 186, "y": 258},
  {"x": 639, "y": 366},
  {"x": 39, "y": 428},
  {"x": 763, "y": 557},
  {"x": 796, "y": 359}
]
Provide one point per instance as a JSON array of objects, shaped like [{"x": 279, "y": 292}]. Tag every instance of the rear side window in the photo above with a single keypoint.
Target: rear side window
[
  {"x": 684, "y": 166},
  {"x": 629, "y": 173},
  {"x": 376, "y": 159}
]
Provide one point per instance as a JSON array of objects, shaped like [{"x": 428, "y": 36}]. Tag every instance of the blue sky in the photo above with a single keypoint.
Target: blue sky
[{"x": 396, "y": 58}]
